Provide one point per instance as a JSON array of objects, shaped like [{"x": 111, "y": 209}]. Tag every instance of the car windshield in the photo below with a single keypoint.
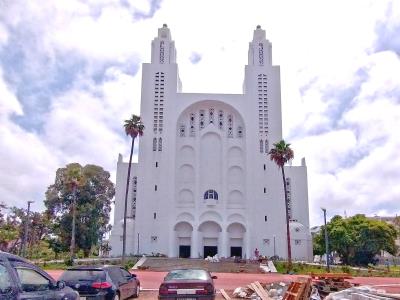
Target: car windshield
[
  {"x": 187, "y": 274},
  {"x": 83, "y": 275}
]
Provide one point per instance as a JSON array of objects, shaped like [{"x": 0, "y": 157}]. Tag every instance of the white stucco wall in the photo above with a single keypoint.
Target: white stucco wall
[{"x": 172, "y": 180}]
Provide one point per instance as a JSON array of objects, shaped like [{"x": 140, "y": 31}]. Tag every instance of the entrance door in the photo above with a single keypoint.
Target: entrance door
[
  {"x": 184, "y": 251},
  {"x": 236, "y": 251},
  {"x": 210, "y": 251}
]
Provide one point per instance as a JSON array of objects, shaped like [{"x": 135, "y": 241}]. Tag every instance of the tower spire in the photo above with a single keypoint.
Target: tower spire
[
  {"x": 163, "y": 47},
  {"x": 260, "y": 49}
]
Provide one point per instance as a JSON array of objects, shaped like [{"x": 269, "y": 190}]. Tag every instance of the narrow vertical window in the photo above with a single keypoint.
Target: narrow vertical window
[
  {"x": 155, "y": 187},
  {"x": 157, "y": 164},
  {"x": 265, "y": 167},
  {"x": 265, "y": 218},
  {"x": 154, "y": 144},
  {"x": 201, "y": 119},
  {"x": 265, "y": 190},
  {"x": 182, "y": 130},
  {"x": 134, "y": 190},
  {"x": 230, "y": 125},
  {"x": 240, "y": 132},
  {"x": 289, "y": 197},
  {"x": 221, "y": 119},
  {"x": 160, "y": 144},
  {"x": 261, "y": 146},
  {"x": 155, "y": 216},
  {"x": 266, "y": 146},
  {"x": 192, "y": 130},
  {"x": 211, "y": 115}
]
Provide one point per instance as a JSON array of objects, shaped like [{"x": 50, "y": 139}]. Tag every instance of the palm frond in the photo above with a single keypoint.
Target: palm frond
[
  {"x": 134, "y": 126},
  {"x": 281, "y": 153}
]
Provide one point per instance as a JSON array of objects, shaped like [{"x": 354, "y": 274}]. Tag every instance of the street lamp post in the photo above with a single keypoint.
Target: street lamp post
[
  {"x": 26, "y": 229},
  {"x": 326, "y": 242}
]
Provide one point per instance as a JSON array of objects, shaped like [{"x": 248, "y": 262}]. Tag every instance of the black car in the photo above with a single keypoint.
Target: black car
[
  {"x": 102, "y": 282},
  {"x": 20, "y": 279}
]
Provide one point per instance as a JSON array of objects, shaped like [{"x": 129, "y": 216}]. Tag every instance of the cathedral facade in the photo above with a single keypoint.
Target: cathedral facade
[{"x": 204, "y": 183}]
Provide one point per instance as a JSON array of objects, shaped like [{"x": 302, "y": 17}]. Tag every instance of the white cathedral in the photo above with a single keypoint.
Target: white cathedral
[{"x": 204, "y": 184}]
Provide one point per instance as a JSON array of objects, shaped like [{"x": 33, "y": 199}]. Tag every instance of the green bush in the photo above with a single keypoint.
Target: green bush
[
  {"x": 130, "y": 263},
  {"x": 69, "y": 261},
  {"x": 346, "y": 269}
]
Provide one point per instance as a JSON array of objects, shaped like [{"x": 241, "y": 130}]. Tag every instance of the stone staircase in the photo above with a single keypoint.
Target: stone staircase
[{"x": 225, "y": 266}]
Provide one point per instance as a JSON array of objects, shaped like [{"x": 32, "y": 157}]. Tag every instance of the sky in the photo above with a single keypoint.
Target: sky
[{"x": 70, "y": 73}]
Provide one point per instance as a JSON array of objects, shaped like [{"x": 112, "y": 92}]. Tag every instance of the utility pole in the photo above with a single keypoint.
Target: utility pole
[
  {"x": 26, "y": 229},
  {"x": 326, "y": 242}
]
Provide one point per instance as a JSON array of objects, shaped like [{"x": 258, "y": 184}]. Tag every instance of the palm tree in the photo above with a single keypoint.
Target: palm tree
[
  {"x": 133, "y": 128},
  {"x": 281, "y": 154}
]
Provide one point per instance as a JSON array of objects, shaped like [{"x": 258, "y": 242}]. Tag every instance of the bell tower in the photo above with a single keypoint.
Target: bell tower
[{"x": 163, "y": 48}]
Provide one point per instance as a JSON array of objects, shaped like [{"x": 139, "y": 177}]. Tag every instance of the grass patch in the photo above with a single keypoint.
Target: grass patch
[{"x": 306, "y": 269}]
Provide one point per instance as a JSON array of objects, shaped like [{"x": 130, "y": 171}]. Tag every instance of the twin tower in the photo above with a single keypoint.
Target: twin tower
[{"x": 204, "y": 184}]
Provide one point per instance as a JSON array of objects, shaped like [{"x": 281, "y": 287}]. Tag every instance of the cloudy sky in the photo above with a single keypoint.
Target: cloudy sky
[{"x": 70, "y": 73}]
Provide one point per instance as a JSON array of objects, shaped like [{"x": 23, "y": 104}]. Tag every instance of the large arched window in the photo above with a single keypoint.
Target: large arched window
[{"x": 211, "y": 194}]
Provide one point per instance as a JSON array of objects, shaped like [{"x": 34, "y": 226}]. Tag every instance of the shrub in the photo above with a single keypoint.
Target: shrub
[{"x": 69, "y": 261}]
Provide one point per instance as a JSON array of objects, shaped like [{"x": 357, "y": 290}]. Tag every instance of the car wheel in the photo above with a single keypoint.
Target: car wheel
[
  {"x": 137, "y": 292},
  {"x": 116, "y": 297}
]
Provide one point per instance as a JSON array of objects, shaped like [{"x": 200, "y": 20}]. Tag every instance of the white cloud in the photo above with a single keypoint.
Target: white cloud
[
  {"x": 25, "y": 160},
  {"x": 3, "y": 35},
  {"x": 9, "y": 104},
  {"x": 340, "y": 99}
]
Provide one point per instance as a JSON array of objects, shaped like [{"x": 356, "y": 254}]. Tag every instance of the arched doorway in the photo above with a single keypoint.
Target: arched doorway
[
  {"x": 184, "y": 237},
  {"x": 209, "y": 235},
  {"x": 236, "y": 233}
]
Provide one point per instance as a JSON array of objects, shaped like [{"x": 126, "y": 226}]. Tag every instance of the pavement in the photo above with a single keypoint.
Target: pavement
[{"x": 151, "y": 280}]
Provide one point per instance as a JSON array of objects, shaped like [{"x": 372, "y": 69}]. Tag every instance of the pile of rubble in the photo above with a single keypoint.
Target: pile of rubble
[
  {"x": 256, "y": 290},
  {"x": 316, "y": 287},
  {"x": 362, "y": 293},
  {"x": 214, "y": 258},
  {"x": 327, "y": 283}
]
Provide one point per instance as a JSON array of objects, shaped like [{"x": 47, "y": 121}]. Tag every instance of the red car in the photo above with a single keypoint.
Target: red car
[{"x": 187, "y": 284}]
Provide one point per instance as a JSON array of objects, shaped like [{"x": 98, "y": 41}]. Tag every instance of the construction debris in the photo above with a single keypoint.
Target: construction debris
[
  {"x": 318, "y": 286},
  {"x": 330, "y": 282},
  {"x": 214, "y": 258},
  {"x": 258, "y": 291},
  {"x": 362, "y": 293},
  {"x": 298, "y": 290},
  {"x": 225, "y": 295}
]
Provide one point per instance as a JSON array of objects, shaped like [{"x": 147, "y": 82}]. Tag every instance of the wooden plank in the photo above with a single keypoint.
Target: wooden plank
[
  {"x": 225, "y": 295},
  {"x": 294, "y": 291},
  {"x": 263, "y": 291},
  {"x": 258, "y": 292}
]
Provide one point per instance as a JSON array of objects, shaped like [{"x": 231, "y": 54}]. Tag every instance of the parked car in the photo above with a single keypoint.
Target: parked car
[
  {"x": 188, "y": 284},
  {"x": 102, "y": 282},
  {"x": 20, "y": 279}
]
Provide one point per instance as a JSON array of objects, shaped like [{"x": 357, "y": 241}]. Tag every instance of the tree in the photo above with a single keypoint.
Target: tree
[
  {"x": 281, "y": 154},
  {"x": 133, "y": 127},
  {"x": 358, "y": 239},
  {"x": 92, "y": 193},
  {"x": 9, "y": 233},
  {"x": 12, "y": 229}
]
